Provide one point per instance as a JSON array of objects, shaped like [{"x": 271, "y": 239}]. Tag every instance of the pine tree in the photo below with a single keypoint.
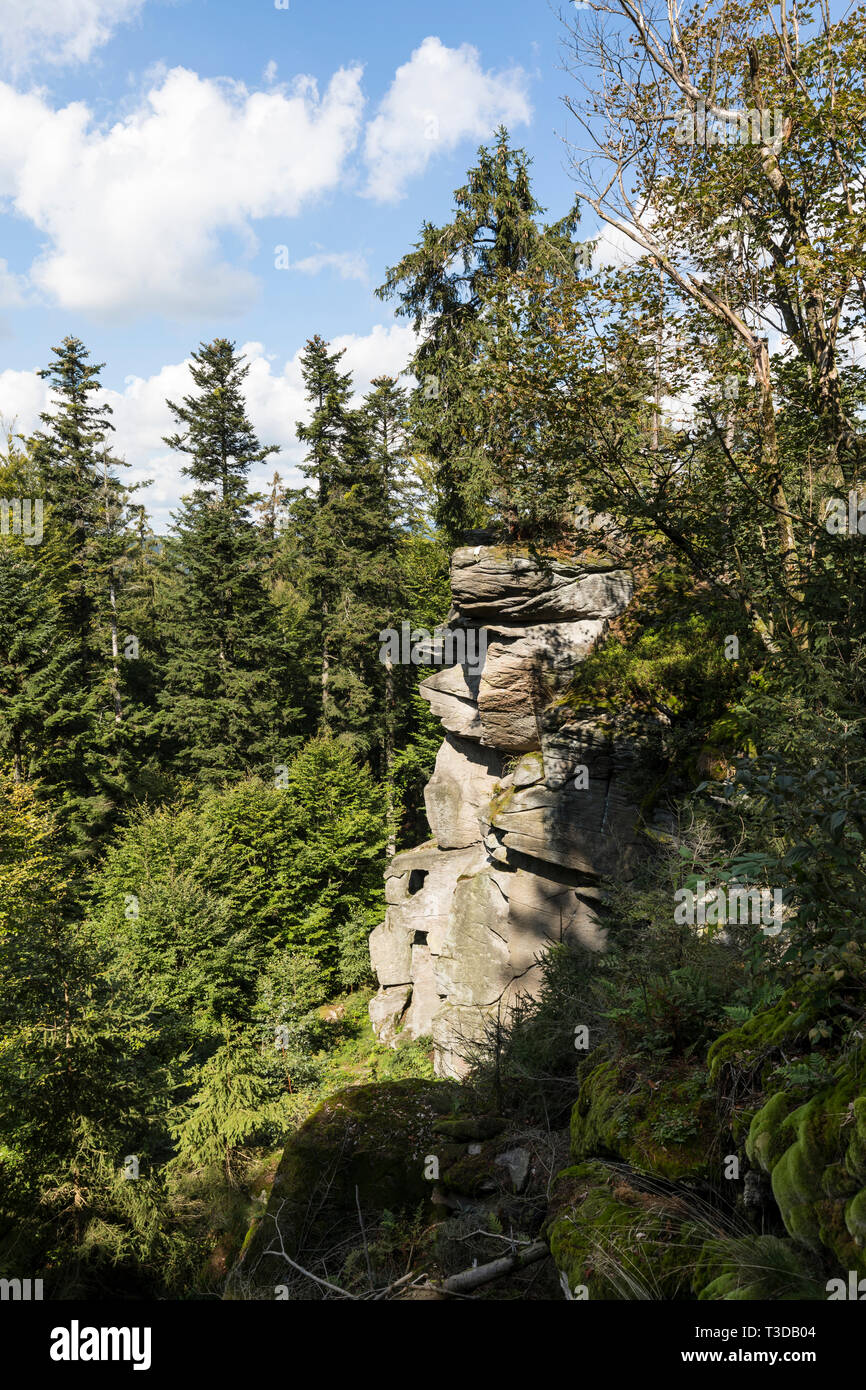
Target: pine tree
[
  {"x": 385, "y": 409},
  {"x": 143, "y": 651},
  {"x": 222, "y": 707},
  {"x": 27, "y": 629},
  {"x": 81, "y": 755},
  {"x": 342, "y": 527},
  {"x": 494, "y": 232},
  {"x": 231, "y": 1105}
]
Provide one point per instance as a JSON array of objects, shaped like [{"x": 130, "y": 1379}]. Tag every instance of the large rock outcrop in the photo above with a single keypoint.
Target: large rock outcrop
[{"x": 527, "y": 808}]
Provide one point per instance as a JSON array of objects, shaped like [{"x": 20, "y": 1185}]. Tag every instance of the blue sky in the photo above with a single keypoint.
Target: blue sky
[{"x": 156, "y": 153}]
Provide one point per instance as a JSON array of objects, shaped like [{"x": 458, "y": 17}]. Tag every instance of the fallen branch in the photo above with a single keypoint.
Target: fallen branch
[{"x": 484, "y": 1274}]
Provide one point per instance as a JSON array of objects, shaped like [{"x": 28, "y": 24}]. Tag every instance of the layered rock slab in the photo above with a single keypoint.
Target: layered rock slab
[{"x": 514, "y": 863}]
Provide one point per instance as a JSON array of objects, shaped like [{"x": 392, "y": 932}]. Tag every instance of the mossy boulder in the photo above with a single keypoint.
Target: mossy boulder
[
  {"x": 766, "y": 1140},
  {"x": 617, "y": 1242},
  {"x": 657, "y": 1124},
  {"x": 758, "y": 1041},
  {"x": 371, "y": 1138},
  {"x": 762, "y": 1267},
  {"x": 471, "y": 1175},
  {"x": 469, "y": 1128},
  {"x": 815, "y": 1154}
]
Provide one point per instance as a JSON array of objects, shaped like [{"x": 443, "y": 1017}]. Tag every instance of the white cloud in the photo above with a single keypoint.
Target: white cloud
[
  {"x": 131, "y": 216},
  {"x": 133, "y": 213},
  {"x": 440, "y": 97},
  {"x": 23, "y": 396},
  {"x": 58, "y": 31},
  {"x": 13, "y": 288},
  {"x": 275, "y": 400},
  {"x": 350, "y": 265},
  {"x": 613, "y": 248}
]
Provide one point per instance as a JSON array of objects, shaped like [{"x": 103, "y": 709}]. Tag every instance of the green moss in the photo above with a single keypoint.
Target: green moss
[
  {"x": 855, "y": 1216},
  {"x": 471, "y": 1175},
  {"x": 665, "y": 1126},
  {"x": 617, "y": 1242},
  {"x": 766, "y": 1140},
  {"x": 753, "y": 1042},
  {"x": 371, "y": 1138},
  {"x": 469, "y": 1128},
  {"x": 814, "y": 1153},
  {"x": 500, "y": 802},
  {"x": 755, "y": 1267}
]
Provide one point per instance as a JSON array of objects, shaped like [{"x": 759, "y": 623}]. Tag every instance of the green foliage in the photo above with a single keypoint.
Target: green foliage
[
  {"x": 668, "y": 657},
  {"x": 440, "y": 286},
  {"x": 525, "y": 1061},
  {"x": 224, "y": 679},
  {"x": 228, "y": 1108}
]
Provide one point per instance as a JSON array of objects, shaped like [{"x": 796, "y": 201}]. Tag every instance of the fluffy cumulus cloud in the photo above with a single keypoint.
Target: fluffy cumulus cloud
[
  {"x": 156, "y": 213},
  {"x": 440, "y": 97},
  {"x": 58, "y": 31},
  {"x": 133, "y": 214},
  {"x": 275, "y": 400},
  {"x": 349, "y": 265}
]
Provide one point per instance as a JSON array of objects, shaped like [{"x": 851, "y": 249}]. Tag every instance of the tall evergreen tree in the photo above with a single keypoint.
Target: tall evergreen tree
[
  {"x": 385, "y": 409},
  {"x": 225, "y": 678},
  {"x": 81, "y": 754},
  {"x": 494, "y": 232},
  {"x": 232, "y": 1104},
  {"x": 343, "y": 528}
]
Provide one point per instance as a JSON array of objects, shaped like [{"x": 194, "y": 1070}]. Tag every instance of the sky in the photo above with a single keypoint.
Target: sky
[{"x": 172, "y": 171}]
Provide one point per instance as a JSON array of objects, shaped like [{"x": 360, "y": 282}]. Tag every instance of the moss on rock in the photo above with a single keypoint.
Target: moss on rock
[
  {"x": 754, "y": 1042},
  {"x": 815, "y": 1154},
  {"x": 755, "y": 1267},
  {"x": 617, "y": 1242},
  {"x": 469, "y": 1128},
  {"x": 666, "y": 1126},
  {"x": 373, "y": 1138}
]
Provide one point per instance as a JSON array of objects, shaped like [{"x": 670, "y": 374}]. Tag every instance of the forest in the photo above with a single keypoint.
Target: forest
[{"x": 206, "y": 763}]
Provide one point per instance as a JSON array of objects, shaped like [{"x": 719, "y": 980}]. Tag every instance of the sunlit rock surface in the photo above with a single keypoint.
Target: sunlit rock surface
[{"x": 526, "y": 811}]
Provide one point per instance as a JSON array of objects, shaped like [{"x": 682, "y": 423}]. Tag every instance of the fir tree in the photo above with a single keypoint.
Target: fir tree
[
  {"x": 231, "y": 1105},
  {"x": 385, "y": 409},
  {"x": 82, "y": 755},
  {"x": 343, "y": 527},
  {"x": 221, "y": 702},
  {"x": 494, "y": 232}
]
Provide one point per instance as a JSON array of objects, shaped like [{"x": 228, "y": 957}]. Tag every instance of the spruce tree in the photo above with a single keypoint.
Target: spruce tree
[
  {"x": 232, "y": 1104},
  {"x": 81, "y": 755},
  {"x": 28, "y": 627},
  {"x": 342, "y": 526},
  {"x": 385, "y": 410},
  {"x": 222, "y": 707},
  {"x": 494, "y": 232}
]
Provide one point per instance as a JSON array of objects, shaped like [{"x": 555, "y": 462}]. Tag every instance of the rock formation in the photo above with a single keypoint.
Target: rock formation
[{"x": 527, "y": 806}]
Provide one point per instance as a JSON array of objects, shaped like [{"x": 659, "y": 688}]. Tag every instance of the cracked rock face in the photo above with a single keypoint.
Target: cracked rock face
[{"x": 515, "y": 858}]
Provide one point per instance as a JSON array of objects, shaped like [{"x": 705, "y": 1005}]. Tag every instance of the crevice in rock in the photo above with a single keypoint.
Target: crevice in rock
[{"x": 417, "y": 879}]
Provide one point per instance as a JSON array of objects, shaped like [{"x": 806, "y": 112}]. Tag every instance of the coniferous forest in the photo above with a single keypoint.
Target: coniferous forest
[{"x": 207, "y": 762}]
